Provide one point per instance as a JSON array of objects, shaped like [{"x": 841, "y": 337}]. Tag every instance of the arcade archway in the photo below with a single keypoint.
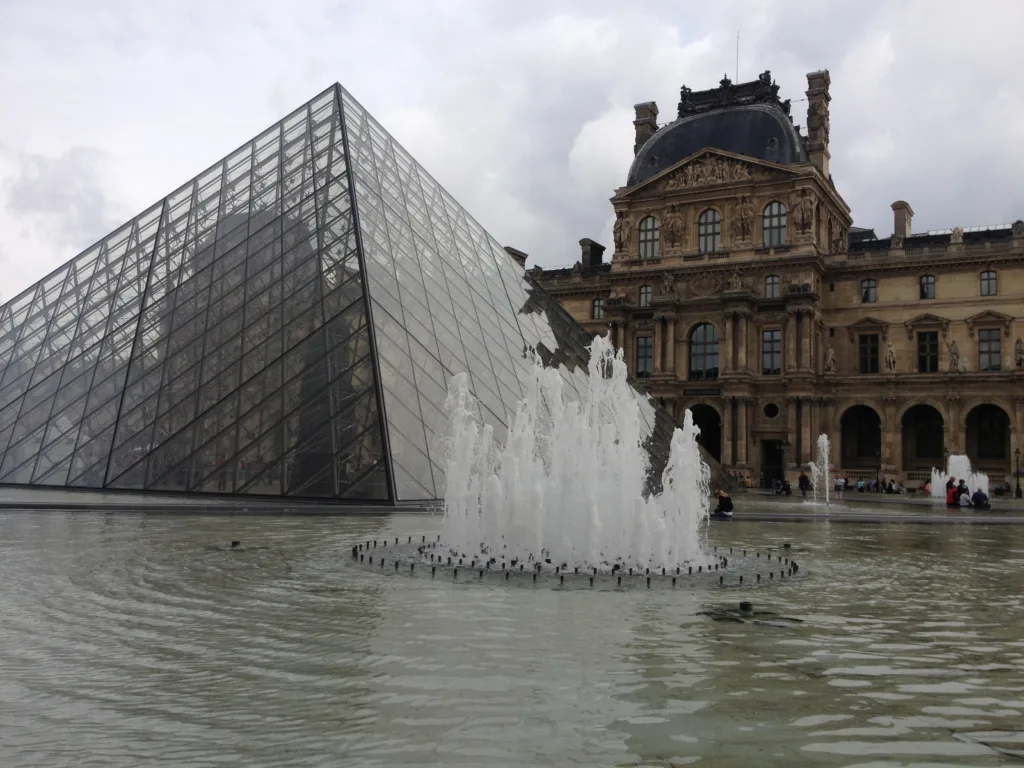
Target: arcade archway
[
  {"x": 923, "y": 441},
  {"x": 710, "y": 423},
  {"x": 988, "y": 438},
  {"x": 861, "y": 437}
]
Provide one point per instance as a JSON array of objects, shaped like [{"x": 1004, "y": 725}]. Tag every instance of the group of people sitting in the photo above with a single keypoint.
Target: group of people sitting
[{"x": 959, "y": 495}]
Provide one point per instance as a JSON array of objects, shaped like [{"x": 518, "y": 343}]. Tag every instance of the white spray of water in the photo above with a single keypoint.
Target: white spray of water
[
  {"x": 820, "y": 478},
  {"x": 958, "y": 466},
  {"x": 568, "y": 486}
]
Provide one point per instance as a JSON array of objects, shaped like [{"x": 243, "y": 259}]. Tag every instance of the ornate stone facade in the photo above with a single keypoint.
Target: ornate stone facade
[{"x": 753, "y": 300}]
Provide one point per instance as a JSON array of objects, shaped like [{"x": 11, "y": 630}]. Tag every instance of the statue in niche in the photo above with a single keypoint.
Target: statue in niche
[
  {"x": 954, "y": 356},
  {"x": 890, "y": 358},
  {"x": 620, "y": 231},
  {"x": 804, "y": 212},
  {"x": 830, "y": 360},
  {"x": 735, "y": 282},
  {"x": 745, "y": 218},
  {"x": 956, "y": 237},
  {"x": 1018, "y": 354},
  {"x": 668, "y": 284},
  {"x": 673, "y": 227}
]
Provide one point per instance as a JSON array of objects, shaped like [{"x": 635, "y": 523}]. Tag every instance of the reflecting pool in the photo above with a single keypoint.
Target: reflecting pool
[{"x": 128, "y": 640}]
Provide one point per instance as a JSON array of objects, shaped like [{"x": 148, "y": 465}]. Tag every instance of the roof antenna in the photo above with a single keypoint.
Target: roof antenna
[{"x": 737, "y": 56}]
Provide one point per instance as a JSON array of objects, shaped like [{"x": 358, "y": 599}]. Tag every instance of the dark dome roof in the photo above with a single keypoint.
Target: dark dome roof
[{"x": 756, "y": 130}]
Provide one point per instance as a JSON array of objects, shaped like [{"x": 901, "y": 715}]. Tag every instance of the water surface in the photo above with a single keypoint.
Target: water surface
[{"x": 130, "y": 640}]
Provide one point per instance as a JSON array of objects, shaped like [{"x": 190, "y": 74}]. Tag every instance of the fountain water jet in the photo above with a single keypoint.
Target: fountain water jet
[
  {"x": 958, "y": 466},
  {"x": 568, "y": 486},
  {"x": 820, "y": 470}
]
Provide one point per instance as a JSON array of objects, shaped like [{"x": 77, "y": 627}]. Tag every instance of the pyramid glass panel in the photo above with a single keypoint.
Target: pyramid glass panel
[{"x": 285, "y": 324}]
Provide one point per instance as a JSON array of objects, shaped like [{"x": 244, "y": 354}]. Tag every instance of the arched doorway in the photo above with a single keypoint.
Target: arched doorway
[
  {"x": 988, "y": 438},
  {"x": 923, "y": 443},
  {"x": 861, "y": 438},
  {"x": 710, "y": 423}
]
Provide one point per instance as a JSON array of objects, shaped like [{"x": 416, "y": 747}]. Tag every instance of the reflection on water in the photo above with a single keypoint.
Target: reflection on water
[{"x": 127, "y": 640}]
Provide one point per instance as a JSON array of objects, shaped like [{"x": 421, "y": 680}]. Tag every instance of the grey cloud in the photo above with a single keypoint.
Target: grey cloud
[
  {"x": 522, "y": 110},
  {"x": 63, "y": 196}
]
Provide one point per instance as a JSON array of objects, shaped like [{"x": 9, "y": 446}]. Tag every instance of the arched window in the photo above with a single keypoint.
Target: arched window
[
  {"x": 645, "y": 295},
  {"x": 774, "y": 224},
  {"x": 988, "y": 284},
  {"x": 650, "y": 237},
  {"x": 868, "y": 290},
  {"x": 597, "y": 309},
  {"x": 709, "y": 231},
  {"x": 704, "y": 352},
  {"x": 927, "y": 286},
  {"x": 771, "y": 287}
]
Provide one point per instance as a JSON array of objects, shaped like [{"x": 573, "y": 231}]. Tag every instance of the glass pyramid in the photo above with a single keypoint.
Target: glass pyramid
[{"x": 285, "y": 324}]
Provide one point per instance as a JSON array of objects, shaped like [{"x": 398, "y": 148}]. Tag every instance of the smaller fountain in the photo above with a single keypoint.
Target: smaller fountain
[
  {"x": 958, "y": 466},
  {"x": 820, "y": 471}
]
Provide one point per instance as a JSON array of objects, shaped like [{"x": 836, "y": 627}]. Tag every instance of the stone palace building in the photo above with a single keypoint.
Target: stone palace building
[{"x": 739, "y": 288}]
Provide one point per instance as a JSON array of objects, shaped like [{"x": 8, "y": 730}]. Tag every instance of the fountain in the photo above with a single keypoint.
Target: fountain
[
  {"x": 958, "y": 466},
  {"x": 820, "y": 470},
  {"x": 568, "y": 486}
]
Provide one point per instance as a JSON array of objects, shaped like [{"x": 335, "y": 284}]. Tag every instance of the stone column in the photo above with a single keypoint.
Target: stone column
[
  {"x": 789, "y": 343},
  {"x": 805, "y": 342},
  {"x": 670, "y": 345},
  {"x": 657, "y": 345},
  {"x": 627, "y": 347},
  {"x": 791, "y": 458},
  {"x": 725, "y": 345},
  {"x": 741, "y": 431},
  {"x": 744, "y": 323},
  {"x": 726, "y": 431},
  {"x": 806, "y": 430}
]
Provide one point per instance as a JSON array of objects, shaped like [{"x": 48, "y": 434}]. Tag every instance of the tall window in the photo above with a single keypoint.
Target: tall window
[
  {"x": 928, "y": 352},
  {"x": 774, "y": 224},
  {"x": 645, "y": 295},
  {"x": 869, "y": 353},
  {"x": 868, "y": 290},
  {"x": 771, "y": 287},
  {"x": 704, "y": 352},
  {"x": 988, "y": 284},
  {"x": 650, "y": 237},
  {"x": 597, "y": 309},
  {"x": 644, "y": 356},
  {"x": 988, "y": 350},
  {"x": 771, "y": 353},
  {"x": 927, "y": 286},
  {"x": 709, "y": 231}
]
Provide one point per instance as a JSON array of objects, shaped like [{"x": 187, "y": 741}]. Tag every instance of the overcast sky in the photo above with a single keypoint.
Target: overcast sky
[{"x": 522, "y": 109}]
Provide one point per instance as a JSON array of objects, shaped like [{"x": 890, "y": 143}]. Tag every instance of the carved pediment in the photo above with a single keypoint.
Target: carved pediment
[
  {"x": 709, "y": 168},
  {"x": 926, "y": 321},
  {"x": 989, "y": 319},
  {"x": 868, "y": 325}
]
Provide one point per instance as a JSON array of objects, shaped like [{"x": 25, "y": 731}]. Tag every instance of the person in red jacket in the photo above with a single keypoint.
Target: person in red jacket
[{"x": 952, "y": 500}]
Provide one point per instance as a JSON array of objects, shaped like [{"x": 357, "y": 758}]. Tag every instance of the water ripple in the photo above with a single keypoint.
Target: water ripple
[{"x": 131, "y": 640}]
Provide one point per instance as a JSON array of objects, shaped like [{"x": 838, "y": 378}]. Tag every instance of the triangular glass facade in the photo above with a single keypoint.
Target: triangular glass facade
[{"x": 285, "y": 324}]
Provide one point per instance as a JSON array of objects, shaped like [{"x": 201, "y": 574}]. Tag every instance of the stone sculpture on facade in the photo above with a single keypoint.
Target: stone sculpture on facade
[
  {"x": 674, "y": 228},
  {"x": 804, "y": 210},
  {"x": 1018, "y": 228},
  {"x": 1018, "y": 354},
  {"x": 619, "y": 232},
  {"x": 707, "y": 171},
  {"x": 668, "y": 284},
  {"x": 954, "y": 356},
  {"x": 890, "y": 358},
  {"x": 956, "y": 237},
  {"x": 745, "y": 219},
  {"x": 830, "y": 360}
]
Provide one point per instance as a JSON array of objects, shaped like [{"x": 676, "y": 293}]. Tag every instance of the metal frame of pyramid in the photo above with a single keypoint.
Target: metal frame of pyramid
[{"x": 283, "y": 325}]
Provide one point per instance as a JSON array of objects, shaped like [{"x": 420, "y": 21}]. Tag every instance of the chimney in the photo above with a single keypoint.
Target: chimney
[
  {"x": 592, "y": 252},
  {"x": 902, "y": 214},
  {"x": 646, "y": 123},
  {"x": 518, "y": 255},
  {"x": 817, "y": 119}
]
